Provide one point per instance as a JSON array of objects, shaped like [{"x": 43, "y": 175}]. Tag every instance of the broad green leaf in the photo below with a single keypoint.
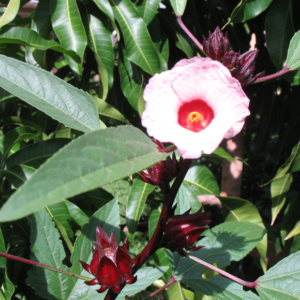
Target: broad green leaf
[
  {"x": 221, "y": 153},
  {"x": 220, "y": 288},
  {"x": 160, "y": 259},
  {"x": 77, "y": 214},
  {"x": 131, "y": 77},
  {"x": 99, "y": 197},
  {"x": 281, "y": 281},
  {"x": 248, "y": 9},
  {"x": 94, "y": 159},
  {"x": 175, "y": 292},
  {"x": 294, "y": 231},
  {"x": 279, "y": 189},
  {"x": 279, "y": 31},
  {"x": 14, "y": 136},
  {"x": 139, "y": 46},
  {"x": 136, "y": 202},
  {"x": 107, "y": 110},
  {"x": 178, "y": 6},
  {"x": 36, "y": 154},
  {"x": 99, "y": 40},
  {"x": 222, "y": 244},
  {"x": 40, "y": 20},
  {"x": 28, "y": 37},
  {"x": 69, "y": 29},
  {"x": 237, "y": 209},
  {"x": 18, "y": 174},
  {"x": 293, "y": 56},
  {"x": 46, "y": 248},
  {"x": 145, "y": 277},
  {"x": 147, "y": 9},
  {"x": 10, "y": 12},
  {"x": 61, "y": 101},
  {"x": 106, "y": 8}
]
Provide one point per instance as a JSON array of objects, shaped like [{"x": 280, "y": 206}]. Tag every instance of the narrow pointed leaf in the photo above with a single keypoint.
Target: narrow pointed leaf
[
  {"x": 61, "y": 101},
  {"x": 139, "y": 46},
  {"x": 76, "y": 213},
  {"x": 279, "y": 31},
  {"x": 178, "y": 6},
  {"x": 18, "y": 174},
  {"x": 10, "y": 12},
  {"x": 106, "y": 8},
  {"x": 294, "y": 231},
  {"x": 67, "y": 24},
  {"x": 279, "y": 189},
  {"x": 91, "y": 160},
  {"x": 28, "y": 37},
  {"x": 136, "y": 202},
  {"x": 147, "y": 9},
  {"x": 293, "y": 56},
  {"x": 281, "y": 281}
]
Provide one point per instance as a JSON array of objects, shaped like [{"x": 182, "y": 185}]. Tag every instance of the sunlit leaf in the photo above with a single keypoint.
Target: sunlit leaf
[
  {"x": 293, "y": 56},
  {"x": 10, "y": 12}
]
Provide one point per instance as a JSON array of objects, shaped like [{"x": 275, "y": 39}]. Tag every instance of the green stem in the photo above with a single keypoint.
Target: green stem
[{"x": 34, "y": 263}]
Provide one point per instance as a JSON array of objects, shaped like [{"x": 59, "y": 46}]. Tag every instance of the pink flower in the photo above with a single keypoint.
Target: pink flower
[{"x": 194, "y": 106}]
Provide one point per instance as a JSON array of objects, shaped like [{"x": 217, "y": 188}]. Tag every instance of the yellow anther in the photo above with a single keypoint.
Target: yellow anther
[{"x": 194, "y": 117}]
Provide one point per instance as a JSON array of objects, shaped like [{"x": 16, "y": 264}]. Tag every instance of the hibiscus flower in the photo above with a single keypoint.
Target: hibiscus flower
[{"x": 194, "y": 106}]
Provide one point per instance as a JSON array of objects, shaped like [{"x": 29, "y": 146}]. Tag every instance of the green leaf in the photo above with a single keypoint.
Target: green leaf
[
  {"x": 28, "y": 37},
  {"x": 10, "y": 12},
  {"x": 248, "y": 9},
  {"x": 139, "y": 47},
  {"x": 279, "y": 31},
  {"x": 77, "y": 214},
  {"x": 69, "y": 29},
  {"x": 99, "y": 197},
  {"x": 14, "y": 136},
  {"x": 61, "y": 101},
  {"x": 279, "y": 189},
  {"x": 4, "y": 95},
  {"x": 160, "y": 259},
  {"x": 99, "y": 40},
  {"x": 281, "y": 281},
  {"x": 294, "y": 231},
  {"x": 147, "y": 9},
  {"x": 106, "y": 110},
  {"x": 175, "y": 292},
  {"x": 131, "y": 79},
  {"x": 145, "y": 277},
  {"x": 94, "y": 159},
  {"x": 178, "y": 6},
  {"x": 18, "y": 174},
  {"x": 222, "y": 244},
  {"x": 237, "y": 209},
  {"x": 36, "y": 154},
  {"x": 221, "y": 153},
  {"x": 106, "y": 8},
  {"x": 293, "y": 56},
  {"x": 220, "y": 288},
  {"x": 136, "y": 202}
]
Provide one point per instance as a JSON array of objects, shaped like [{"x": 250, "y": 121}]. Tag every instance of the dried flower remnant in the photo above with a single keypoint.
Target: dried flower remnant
[
  {"x": 111, "y": 264},
  {"x": 241, "y": 66},
  {"x": 194, "y": 106},
  {"x": 182, "y": 231}
]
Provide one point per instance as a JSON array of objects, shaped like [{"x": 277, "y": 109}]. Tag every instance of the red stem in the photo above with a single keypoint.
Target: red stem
[
  {"x": 37, "y": 264},
  {"x": 192, "y": 37},
  {"x": 248, "y": 284},
  {"x": 170, "y": 282},
  {"x": 272, "y": 76}
]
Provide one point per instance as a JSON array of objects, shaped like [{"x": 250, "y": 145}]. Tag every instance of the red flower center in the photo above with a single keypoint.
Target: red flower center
[{"x": 195, "y": 115}]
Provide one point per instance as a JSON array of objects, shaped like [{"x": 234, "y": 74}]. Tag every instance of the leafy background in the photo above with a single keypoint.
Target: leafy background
[{"x": 71, "y": 72}]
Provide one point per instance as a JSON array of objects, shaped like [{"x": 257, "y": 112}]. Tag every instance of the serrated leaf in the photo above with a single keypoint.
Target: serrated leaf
[
  {"x": 61, "y": 101},
  {"x": 248, "y": 9},
  {"x": 222, "y": 244},
  {"x": 94, "y": 159},
  {"x": 28, "y": 37},
  {"x": 178, "y": 6},
  {"x": 136, "y": 202},
  {"x": 220, "y": 288},
  {"x": 68, "y": 27},
  {"x": 279, "y": 31},
  {"x": 10, "y": 12},
  {"x": 281, "y": 281},
  {"x": 279, "y": 189},
  {"x": 293, "y": 56},
  {"x": 139, "y": 46}
]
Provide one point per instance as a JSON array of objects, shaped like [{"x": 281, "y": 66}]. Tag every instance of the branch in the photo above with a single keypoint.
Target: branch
[{"x": 272, "y": 76}]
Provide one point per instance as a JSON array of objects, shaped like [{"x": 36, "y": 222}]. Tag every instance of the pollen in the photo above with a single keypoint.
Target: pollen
[{"x": 195, "y": 117}]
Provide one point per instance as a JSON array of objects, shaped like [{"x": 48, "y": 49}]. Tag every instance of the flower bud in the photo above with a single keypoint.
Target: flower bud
[
  {"x": 241, "y": 66},
  {"x": 111, "y": 264},
  {"x": 182, "y": 231}
]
